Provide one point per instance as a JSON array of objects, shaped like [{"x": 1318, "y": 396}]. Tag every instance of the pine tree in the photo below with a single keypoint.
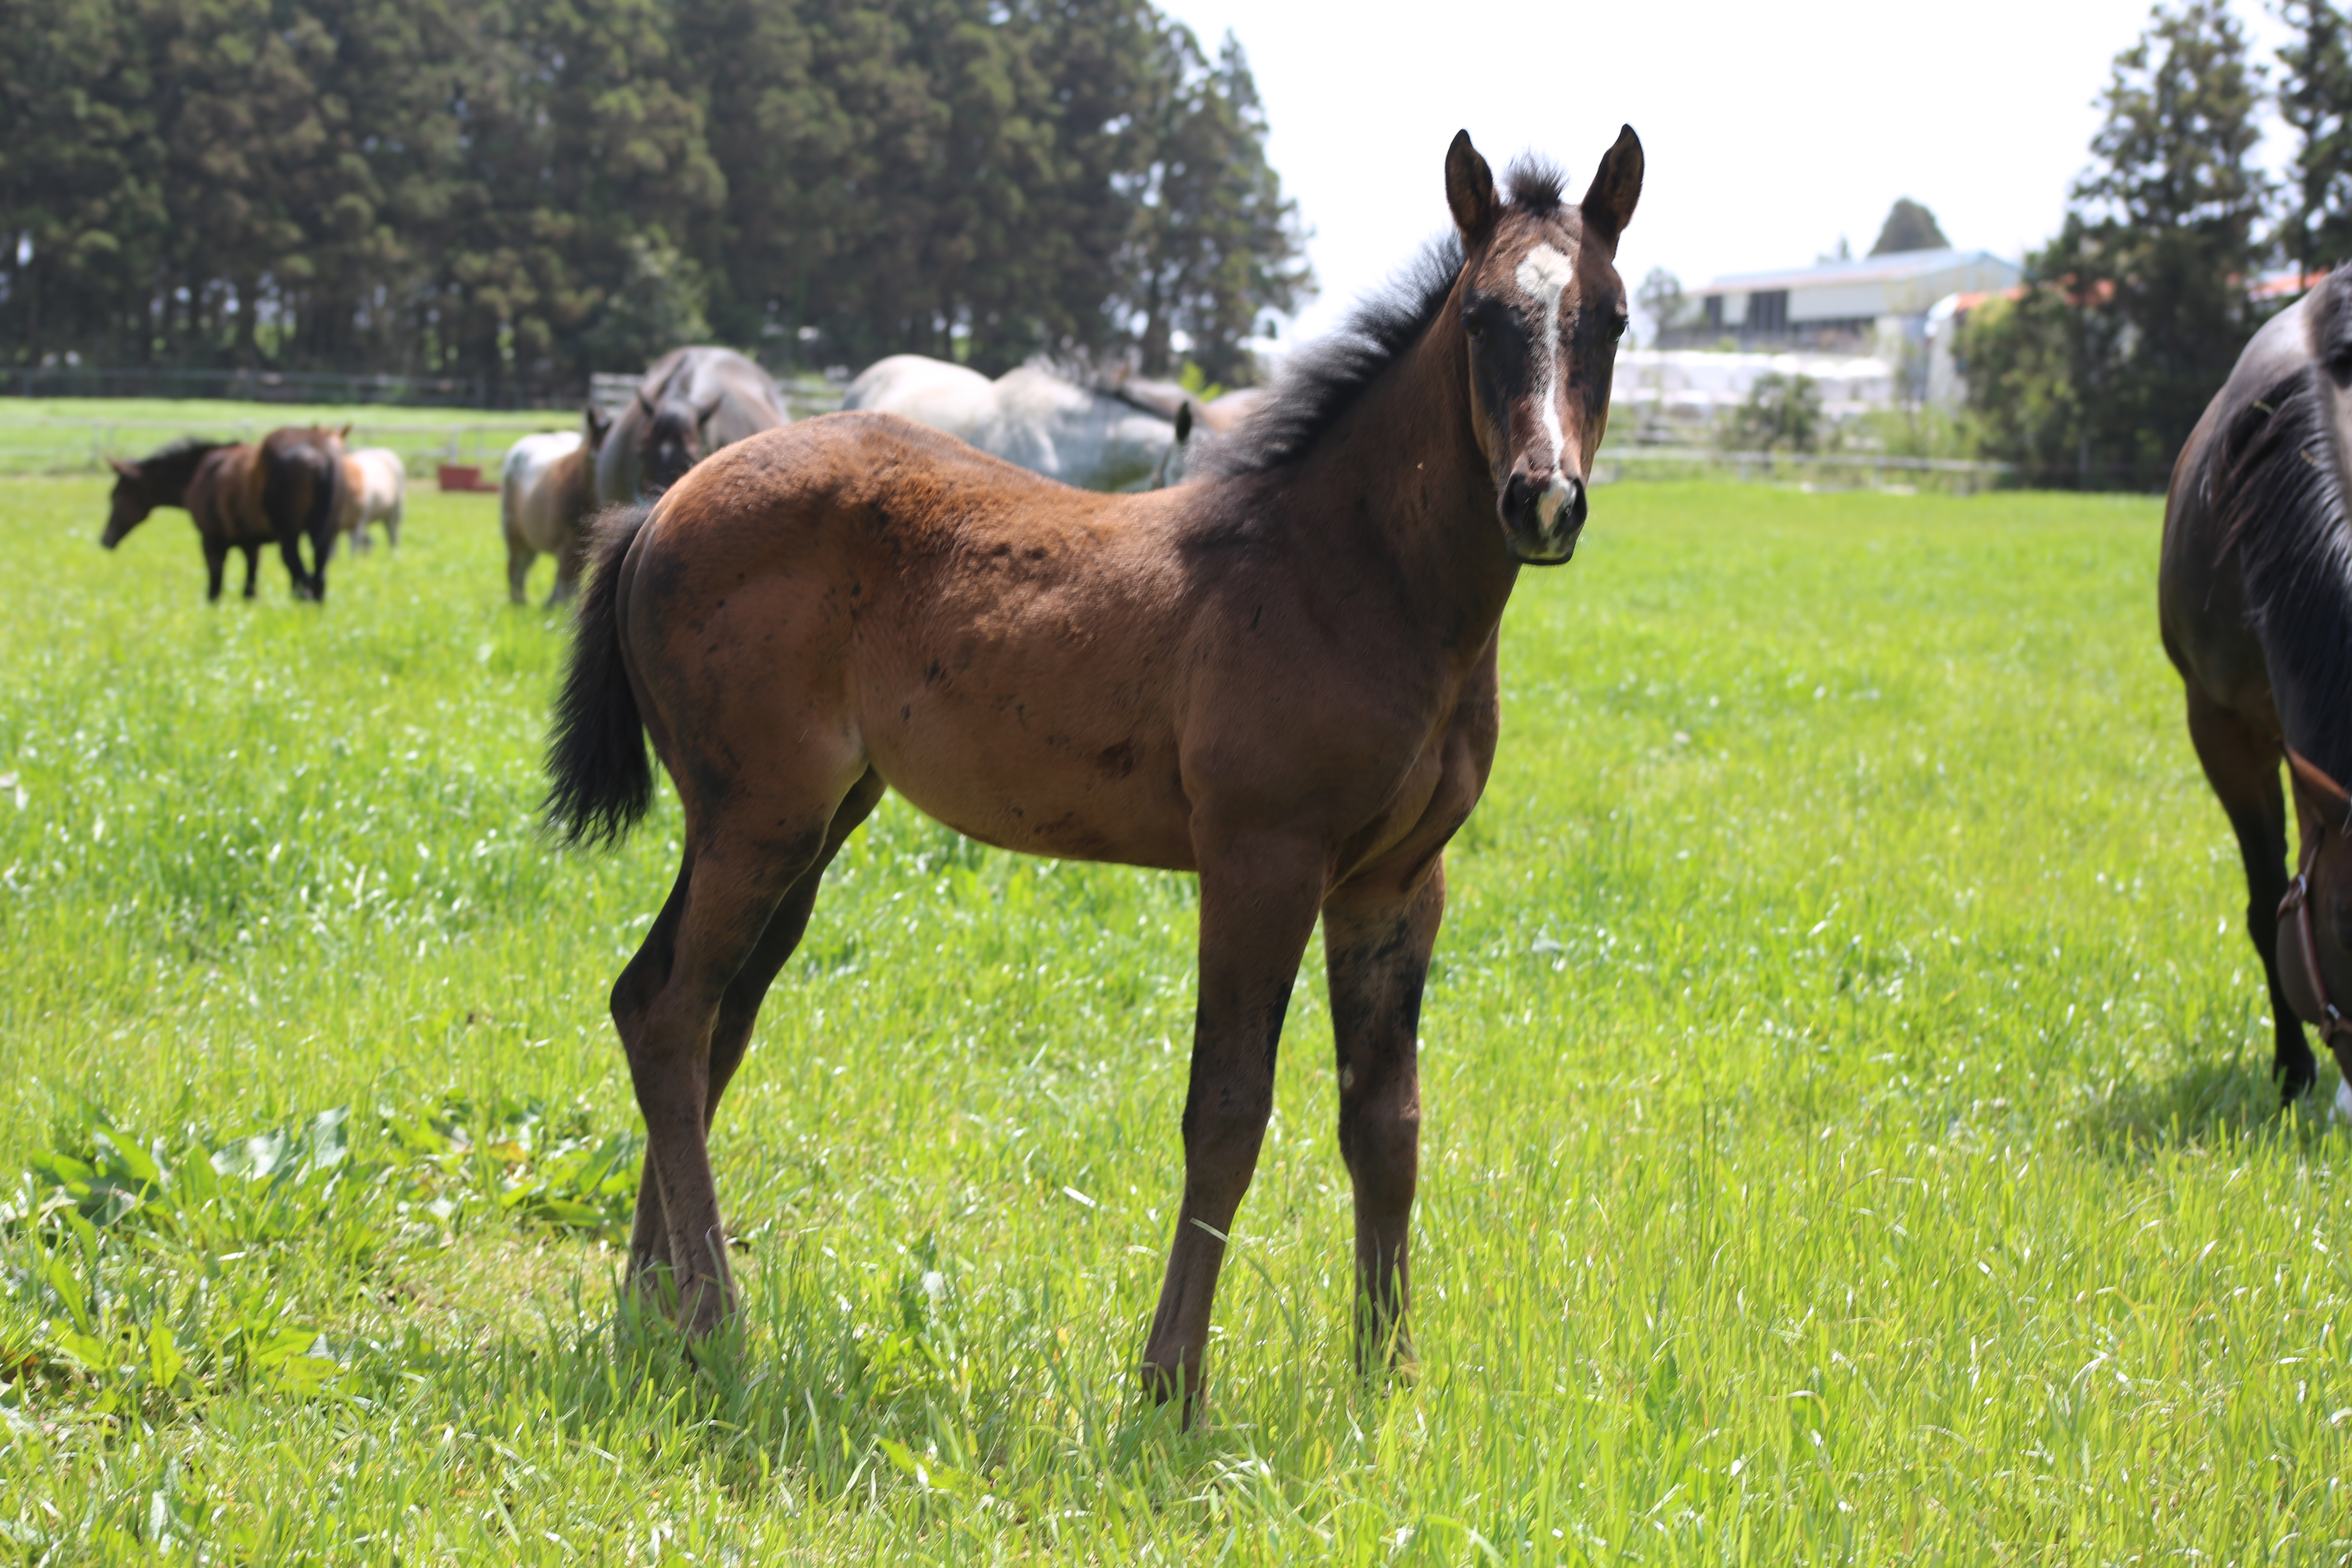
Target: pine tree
[
  {"x": 2140, "y": 304},
  {"x": 2315, "y": 101}
]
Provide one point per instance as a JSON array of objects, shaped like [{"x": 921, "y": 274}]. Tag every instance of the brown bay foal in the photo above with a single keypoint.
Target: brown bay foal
[
  {"x": 1280, "y": 676},
  {"x": 243, "y": 497}
]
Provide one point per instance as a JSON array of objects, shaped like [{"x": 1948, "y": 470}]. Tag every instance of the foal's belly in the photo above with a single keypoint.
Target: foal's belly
[{"x": 1021, "y": 780}]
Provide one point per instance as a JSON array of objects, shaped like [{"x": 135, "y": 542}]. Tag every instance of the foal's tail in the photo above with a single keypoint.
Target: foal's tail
[{"x": 599, "y": 782}]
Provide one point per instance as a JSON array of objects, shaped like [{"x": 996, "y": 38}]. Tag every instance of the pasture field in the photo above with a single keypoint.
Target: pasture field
[
  {"x": 1848, "y": 1129},
  {"x": 77, "y": 435}
]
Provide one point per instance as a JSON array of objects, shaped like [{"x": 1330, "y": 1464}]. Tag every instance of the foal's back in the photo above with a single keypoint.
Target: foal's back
[{"x": 1020, "y": 658}]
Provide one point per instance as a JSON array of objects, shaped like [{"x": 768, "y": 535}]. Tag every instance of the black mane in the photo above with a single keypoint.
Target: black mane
[
  {"x": 2280, "y": 474},
  {"x": 1319, "y": 383},
  {"x": 1535, "y": 184},
  {"x": 174, "y": 462}
]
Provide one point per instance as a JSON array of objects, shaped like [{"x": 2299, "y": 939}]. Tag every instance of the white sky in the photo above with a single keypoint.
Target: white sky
[{"x": 1770, "y": 130}]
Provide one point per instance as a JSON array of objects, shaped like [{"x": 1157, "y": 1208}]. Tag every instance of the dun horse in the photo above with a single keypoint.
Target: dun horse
[
  {"x": 1280, "y": 676},
  {"x": 375, "y": 489},
  {"x": 2255, "y": 599},
  {"x": 547, "y": 489},
  {"x": 242, "y": 497}
]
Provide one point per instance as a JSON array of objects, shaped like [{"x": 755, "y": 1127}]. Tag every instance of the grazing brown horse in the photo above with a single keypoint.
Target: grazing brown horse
[
  {"x": 1281, "y": 676},
  {"x": 2255, "y": 599},
  {"x": 242, "y": 497}
]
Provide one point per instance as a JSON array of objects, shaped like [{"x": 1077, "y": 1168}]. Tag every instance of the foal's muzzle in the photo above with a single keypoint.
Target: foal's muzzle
[{"x": 1542, "y": 516}]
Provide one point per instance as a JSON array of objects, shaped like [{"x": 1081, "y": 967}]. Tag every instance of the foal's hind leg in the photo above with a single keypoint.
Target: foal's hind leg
[
  {"x": 1377, "y": 941},
  {"x": 216, "y": 564},
  {"x": 2243, "y": 769},
  {"x": 739, "y": 1009},
  {"x": 739, "y": 873},
  {"x": 252, "y": 567}
]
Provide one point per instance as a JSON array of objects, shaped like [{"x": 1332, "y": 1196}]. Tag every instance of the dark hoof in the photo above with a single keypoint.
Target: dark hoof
[
  {"x": 1166, "y": 1385},
  {"x": 2296, "y": 1074}
]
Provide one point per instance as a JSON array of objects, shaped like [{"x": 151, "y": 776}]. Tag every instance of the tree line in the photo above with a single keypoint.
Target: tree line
[
  {"x": 2130, "y": 318},
  {"x": 523, "y": 191}
]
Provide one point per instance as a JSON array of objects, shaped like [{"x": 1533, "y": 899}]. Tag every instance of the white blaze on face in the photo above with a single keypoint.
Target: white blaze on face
[{"x": 1545, "y": 274}]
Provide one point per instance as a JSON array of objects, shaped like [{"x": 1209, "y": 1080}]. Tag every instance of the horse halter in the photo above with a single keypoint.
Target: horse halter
[{"x": 2298, "y": 949}]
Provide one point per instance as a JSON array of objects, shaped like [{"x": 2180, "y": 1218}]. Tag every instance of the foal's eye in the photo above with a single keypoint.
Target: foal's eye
[{"x": 1617, "y": 326}]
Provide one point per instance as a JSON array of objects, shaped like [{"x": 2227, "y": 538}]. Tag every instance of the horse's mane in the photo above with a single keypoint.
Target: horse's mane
[
  {"x": 185, "y": 446},
  {"x": 1322, "y": 382},
  {"x": 1536, "y": 184},
  {"x": 2286, "y": 508},
  {"x": 176, "y": 460}
]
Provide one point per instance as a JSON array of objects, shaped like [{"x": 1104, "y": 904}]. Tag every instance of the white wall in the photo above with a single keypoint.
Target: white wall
[{"x": 1692, "y": 386}]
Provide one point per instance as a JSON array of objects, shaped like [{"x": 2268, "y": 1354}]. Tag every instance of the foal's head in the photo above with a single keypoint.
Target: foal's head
[
  {"x": 1543, "y": 308},
  {"x": 671, "y": 437}
]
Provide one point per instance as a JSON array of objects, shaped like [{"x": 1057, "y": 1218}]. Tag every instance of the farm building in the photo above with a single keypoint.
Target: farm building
[
  {"x": 1673, "y": 394},
  {"x": 1877, "y": 305}
]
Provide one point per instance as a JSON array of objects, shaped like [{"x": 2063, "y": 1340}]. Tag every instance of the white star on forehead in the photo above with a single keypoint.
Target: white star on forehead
[{"x": 1545, "y": 273}]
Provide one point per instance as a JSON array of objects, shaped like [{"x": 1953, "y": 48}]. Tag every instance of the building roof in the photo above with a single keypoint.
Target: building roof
[{"x": 1899, "y": 266}]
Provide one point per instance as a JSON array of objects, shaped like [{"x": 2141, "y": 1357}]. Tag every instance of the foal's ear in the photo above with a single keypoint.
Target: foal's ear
[
  {"x": 1470, "y": 190},
  {"x": 128, "y": 469},
  {"x": 2319, "y": 794},
  {"x": 1608, "y": 205}
]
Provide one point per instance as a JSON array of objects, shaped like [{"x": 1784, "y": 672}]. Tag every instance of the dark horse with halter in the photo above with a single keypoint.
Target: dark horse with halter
[
  {"x": 691, "y": 403},
  {"x": 242, "y": 497},
  {"x": 2256, "y": 600},
  {"x": 1281, "y": 676}
]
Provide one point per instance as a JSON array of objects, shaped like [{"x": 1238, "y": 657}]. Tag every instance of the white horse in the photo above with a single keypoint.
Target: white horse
[
  {"x": 1096, "y": 438},
  {"x": 547, "y": 490},
  {"x": 375, "y": 489}
]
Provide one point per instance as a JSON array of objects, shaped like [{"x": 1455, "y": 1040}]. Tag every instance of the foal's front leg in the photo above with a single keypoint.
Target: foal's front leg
[
  {"x": 1377, "y": 942},
  {"x": 1258, "y": 898}
]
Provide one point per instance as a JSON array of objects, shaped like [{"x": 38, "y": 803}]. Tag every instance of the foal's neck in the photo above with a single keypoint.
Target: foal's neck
[{"x": 1401, "y": 480}]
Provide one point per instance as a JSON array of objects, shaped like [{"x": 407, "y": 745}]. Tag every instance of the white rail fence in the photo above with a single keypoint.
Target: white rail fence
[{"x": 64, "y": 445}]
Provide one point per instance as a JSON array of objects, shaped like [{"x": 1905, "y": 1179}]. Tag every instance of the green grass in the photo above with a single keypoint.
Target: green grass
[{"x": 1848, "y": 1129}]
